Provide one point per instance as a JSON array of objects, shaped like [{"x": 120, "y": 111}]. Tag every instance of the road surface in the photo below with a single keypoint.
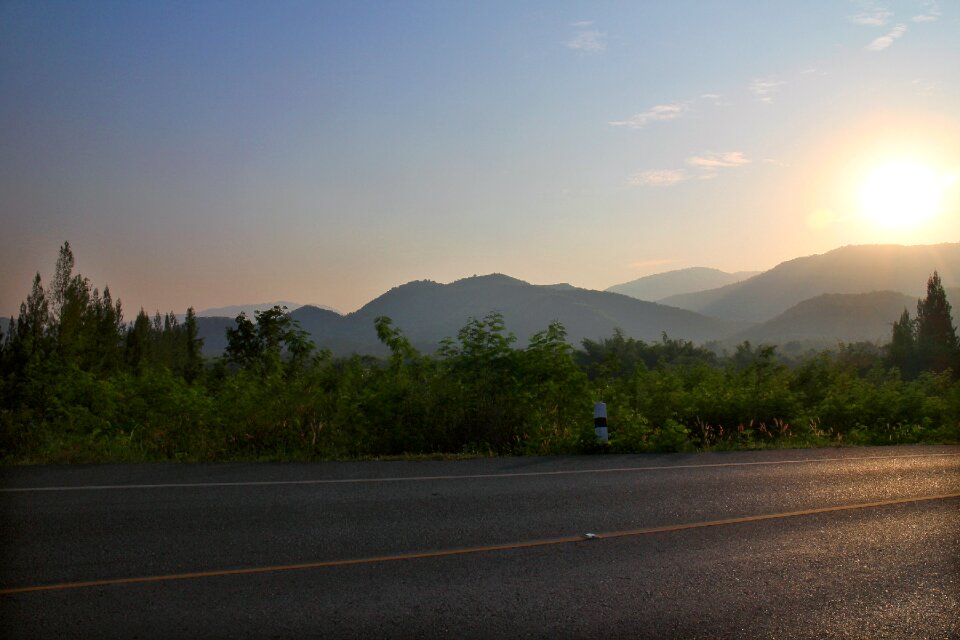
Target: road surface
[{"x": 843, "y": 543}]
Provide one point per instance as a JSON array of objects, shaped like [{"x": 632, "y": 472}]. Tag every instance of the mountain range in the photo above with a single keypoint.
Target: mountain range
[
  {"x": 850, "y": 294},
  {"x": 851, "y": 269},
  {"x": 428, "y": 311}
]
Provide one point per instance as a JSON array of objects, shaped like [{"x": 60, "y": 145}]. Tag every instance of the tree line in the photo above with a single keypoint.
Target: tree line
[{"x": 79, "y": 383}]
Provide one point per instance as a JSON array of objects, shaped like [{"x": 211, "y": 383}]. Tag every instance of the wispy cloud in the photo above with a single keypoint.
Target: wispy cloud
[
  {"x": 871, "y": 13},
  {"x": 653, "y": 114},
  {"x": 881, "y": 43},
  {"x": 706, "y": 166},
  {"x": 715, "y": 99},
  {"x": 873, "y": 17},
  {"x": 764, "y": 88},
  {"x": 658, "y": 178},
  {"x": 710, "y": 163},
  {"x": 586, "y": 40},
  {"x": 714, "y": 160},
  {"x": 931, "y": 12}
]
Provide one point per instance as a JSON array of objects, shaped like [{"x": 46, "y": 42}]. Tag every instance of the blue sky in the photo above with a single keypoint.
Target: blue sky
[{"x": 218, "y": 153}]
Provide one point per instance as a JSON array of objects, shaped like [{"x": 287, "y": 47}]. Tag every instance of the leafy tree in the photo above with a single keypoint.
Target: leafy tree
[
  {"x": 761, "y": 358},
  {"x": 400, "y": 348},
  {"x": 400, "y": 399},
  {"x": 619, "y": 355},
  {"x": 262, "y": 345},
  {"x": 484, "y": 375},
  {"x": 608, "y": 357},
  {"x": 937, "y": 345},
  {"x": 859, "y": 356},
  {"x": 243, "y": 343},
  {"x": 556, "y": 388}
]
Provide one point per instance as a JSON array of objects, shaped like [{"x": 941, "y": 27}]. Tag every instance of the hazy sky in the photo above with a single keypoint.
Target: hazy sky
[{"x": 214, "y": 153}]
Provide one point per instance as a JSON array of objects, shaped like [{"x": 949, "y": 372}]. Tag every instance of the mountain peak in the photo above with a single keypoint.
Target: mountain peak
[{"x": 490, "y": 278}]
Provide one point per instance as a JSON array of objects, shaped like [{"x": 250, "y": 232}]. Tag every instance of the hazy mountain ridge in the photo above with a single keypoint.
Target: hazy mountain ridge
[
  {"x": 232, "y": 311},
  {"x": 851, "y": 269},
  {"x": 834, "y": 317},
  {"x": 659, "y": 286},
  {"x": 428, "y": 311}
]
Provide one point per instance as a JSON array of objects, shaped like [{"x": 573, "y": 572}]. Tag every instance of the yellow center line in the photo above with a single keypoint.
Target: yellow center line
[{"x": 543, "y": 542}]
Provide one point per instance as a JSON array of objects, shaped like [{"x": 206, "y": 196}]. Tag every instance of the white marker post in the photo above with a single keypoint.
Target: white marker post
[{"x": 600, "y": 421}]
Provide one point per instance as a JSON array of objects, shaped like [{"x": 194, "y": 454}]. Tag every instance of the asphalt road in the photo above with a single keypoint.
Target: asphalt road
[{"x": 490, "y": 548}]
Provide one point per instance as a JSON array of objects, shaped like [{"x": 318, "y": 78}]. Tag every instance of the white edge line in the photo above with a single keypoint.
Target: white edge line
[{"x": 475, "y": 476}]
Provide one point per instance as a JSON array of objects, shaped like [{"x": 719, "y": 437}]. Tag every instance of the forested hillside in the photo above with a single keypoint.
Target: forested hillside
[
  {"x": 78, "y": 382},
  {"x": 844, "y": 317}
]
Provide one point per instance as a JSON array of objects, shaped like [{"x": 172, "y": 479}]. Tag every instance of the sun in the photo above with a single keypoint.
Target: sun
[{"x": 902, "y": 193}]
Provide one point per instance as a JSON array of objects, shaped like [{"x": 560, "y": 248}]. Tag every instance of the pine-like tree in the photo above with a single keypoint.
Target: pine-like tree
[
  {"x": 62, "y": 277},
  {"x": 937, "y": 346},
  {"x": 103, "y": 333},
  {"x": 139, "y": 342},
  {"x": 193, "y": 360},
  {"x": 902, "y": 350},
  {"x": 34, "y": 321}
]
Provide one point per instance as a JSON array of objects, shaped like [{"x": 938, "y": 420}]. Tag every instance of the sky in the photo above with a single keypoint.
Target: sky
[{"x": 214, "y": 153}]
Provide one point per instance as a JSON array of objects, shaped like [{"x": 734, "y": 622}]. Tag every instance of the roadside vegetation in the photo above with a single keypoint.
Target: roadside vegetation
[{"x": 79, "y": 384}]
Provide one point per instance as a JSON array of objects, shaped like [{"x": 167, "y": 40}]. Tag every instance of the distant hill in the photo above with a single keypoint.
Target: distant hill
[
  {"x": 835, "y": 317},
  {"x": 662, "y": 285},
  {"x": 213, "y": 331},
  {"x": 852, "y": 269},
  {"x": 820, "y": 322},
  {"x": 235, "y": 310},
  {"x": 428, "y": 311},
  {"x": 797, "y": 301}
]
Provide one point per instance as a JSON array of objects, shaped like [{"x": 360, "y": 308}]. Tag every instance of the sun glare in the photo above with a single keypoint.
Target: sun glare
[{"x": 902, "y": 194}]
